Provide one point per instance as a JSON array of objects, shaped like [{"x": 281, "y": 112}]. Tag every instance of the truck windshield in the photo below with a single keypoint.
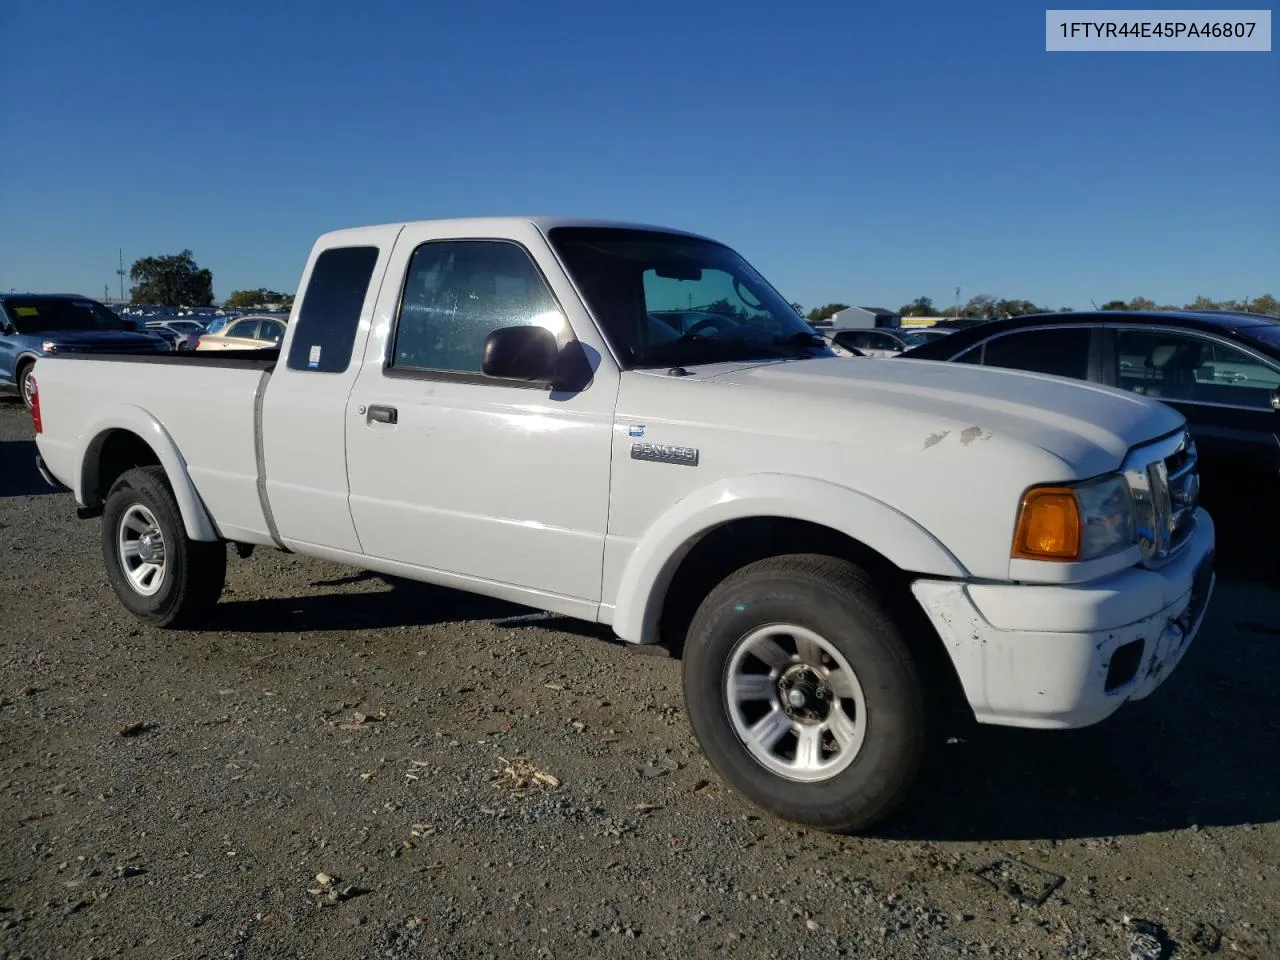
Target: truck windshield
[
  {"x": 665, "y": 299},
  {"x": 37, "y": 315}
]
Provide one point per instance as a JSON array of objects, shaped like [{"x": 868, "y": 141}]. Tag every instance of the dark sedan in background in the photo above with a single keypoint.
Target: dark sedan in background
[
  {"x": 1220, "y": 370},
  {"x": 35, "y": 325}
]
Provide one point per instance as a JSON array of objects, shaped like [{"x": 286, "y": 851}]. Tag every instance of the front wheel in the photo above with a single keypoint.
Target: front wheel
[
  {"x": 803, "y": 692},
  {"x": 27, "y": 383},
  {"x": 159, "y": 573}
]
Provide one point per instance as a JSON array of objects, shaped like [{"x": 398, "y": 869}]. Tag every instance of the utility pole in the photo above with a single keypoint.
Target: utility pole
[
  {"x": 957, "y": 301},
  {"x": 120, "y": 272}
]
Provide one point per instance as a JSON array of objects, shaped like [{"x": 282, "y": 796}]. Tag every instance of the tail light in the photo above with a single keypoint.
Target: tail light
[
  {"x": 35, "y": 406},
  {"x": 196, "y": 345}
]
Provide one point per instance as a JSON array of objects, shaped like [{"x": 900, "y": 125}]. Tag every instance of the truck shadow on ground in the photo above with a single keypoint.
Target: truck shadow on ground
[
  {"x": 18, "y": 474},
  {"x": 391, "y": 603}
]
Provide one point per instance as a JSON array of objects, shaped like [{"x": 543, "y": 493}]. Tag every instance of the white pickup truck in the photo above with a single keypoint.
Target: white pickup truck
[{"x": 628, "y": 425}]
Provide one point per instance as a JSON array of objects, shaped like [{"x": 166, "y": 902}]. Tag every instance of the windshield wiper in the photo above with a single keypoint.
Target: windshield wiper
[
  {"x": 695, "y": 349},
  {"x": 800, "y": 339}
]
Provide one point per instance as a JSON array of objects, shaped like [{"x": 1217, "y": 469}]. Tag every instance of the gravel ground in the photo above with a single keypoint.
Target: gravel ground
[{"x": 345, "y": 766}]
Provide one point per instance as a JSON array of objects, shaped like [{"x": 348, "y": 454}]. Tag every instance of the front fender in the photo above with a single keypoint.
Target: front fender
[
  {"x": 127, "y": 416},
  {"x": 660, "y": 549}
]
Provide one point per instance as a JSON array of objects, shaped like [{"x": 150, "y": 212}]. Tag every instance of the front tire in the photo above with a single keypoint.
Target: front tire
[
  {"x": 804, "y": 694},
  {"x": 161, "y": 575},
  {"x": 27, "y": 382}
]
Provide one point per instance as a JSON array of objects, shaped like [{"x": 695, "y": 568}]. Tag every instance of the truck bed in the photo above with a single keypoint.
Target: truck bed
[{"x": 206, "y": 404}]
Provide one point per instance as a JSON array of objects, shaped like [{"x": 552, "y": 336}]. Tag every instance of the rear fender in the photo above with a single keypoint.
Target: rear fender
[
  {"x": 195, "y": 518},
  {"x": 663, "y": 546}
]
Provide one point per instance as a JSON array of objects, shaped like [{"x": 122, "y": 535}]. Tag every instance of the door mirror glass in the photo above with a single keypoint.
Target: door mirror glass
[{"x": 520, "y": 353}]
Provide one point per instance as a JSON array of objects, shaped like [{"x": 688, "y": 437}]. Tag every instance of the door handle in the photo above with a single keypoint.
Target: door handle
[{"x": 382, "y": 414}]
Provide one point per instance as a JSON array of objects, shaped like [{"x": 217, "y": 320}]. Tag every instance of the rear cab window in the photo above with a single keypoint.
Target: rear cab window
[{"x": 326, "y": 322}]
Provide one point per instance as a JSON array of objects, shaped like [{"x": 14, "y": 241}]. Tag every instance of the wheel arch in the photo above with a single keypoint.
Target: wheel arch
[
  {"x": 128, "y": 437},
  {"x": 734, "y": 522}
]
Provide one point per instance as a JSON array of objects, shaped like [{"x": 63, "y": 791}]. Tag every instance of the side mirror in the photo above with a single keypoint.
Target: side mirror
[
  {"x": 129, "y": 324},
  {"x": 520, "y": 353}
]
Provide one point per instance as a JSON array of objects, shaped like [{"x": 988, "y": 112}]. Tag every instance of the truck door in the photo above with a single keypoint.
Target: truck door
[
  {"x": 304, "y": 405},
  {"x": 485, "y": 481}
]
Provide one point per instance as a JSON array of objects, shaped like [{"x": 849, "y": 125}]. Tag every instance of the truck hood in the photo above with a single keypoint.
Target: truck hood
[{"x": 1088, "y": 426}]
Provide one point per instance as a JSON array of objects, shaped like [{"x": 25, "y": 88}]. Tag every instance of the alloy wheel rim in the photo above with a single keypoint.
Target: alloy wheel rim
[
  {"x": 141, "y": 550},
  {"x": 795, "y": 702}
]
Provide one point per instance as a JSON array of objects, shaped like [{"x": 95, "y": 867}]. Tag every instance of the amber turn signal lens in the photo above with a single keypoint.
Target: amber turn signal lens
[{"x": 1048, "y": 526}]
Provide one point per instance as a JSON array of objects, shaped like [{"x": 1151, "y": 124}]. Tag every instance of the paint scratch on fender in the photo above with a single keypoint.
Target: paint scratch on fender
[
  {"x": 935, "y": 438},
  {"x": 970, "y": 434}
]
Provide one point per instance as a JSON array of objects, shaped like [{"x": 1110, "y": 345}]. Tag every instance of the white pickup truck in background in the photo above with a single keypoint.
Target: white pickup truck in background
[{"x": 629, "y": 425}]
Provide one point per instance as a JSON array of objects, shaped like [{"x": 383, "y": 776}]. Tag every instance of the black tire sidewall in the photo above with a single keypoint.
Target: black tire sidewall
[
  {"x": 23, "y": 370},
  {"x": 142, "y": 487},
  {"x": 896, "y": 719}
]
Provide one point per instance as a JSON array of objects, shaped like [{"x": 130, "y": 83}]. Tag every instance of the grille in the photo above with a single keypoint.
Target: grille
[{"x": 1164, "y": 479}]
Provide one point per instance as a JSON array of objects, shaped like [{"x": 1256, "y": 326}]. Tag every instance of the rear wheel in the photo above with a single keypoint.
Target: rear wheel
[
  {"x": 159, "y": 573},
  {"x": 27, "y": 382},
  {"x": 804, "y": 693}
]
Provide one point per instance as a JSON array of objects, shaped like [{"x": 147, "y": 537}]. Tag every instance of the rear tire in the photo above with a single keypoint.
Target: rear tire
[
  {"x": 804, "y": 693},
  {"x": 161, "y": 575}
]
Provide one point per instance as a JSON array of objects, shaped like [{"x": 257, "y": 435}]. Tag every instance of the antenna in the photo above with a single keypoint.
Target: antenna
[
  {"x": 1095, "y": 304},
  {"x": 120, "y": 272}
]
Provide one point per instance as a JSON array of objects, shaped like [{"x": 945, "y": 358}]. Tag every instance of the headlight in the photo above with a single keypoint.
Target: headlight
[
  {"x": 49, "y": 346},
  {"x": 1077, "y": 522}
]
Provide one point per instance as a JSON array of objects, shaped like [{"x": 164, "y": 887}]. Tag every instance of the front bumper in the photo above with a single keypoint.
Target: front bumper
[{"x": 1070, "y": 656}]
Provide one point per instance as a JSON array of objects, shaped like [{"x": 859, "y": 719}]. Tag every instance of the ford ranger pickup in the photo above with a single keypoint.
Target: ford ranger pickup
[{"x": 627, "y": 424}]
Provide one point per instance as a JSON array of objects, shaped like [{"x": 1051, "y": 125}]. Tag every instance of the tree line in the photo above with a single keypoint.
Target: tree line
[
  {"x": 986, "y": 307},
  {"x": 177, "y": 280}
]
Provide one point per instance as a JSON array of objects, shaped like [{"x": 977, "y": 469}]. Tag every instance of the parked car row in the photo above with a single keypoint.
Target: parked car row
[
  {"x": 44, "y": 325},
  {"x": 243, "y": 333},
  {"x": 40, "y": 325},
  {"x": 845, "y": 549},
  {"x": 882, "y": 342},
  {"x": 180, "y": 334},
  {"x": 1220, "y": 370}
]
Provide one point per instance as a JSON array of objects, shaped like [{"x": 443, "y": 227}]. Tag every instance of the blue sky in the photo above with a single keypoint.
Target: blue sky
[{"x": 861, "y": 152}]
